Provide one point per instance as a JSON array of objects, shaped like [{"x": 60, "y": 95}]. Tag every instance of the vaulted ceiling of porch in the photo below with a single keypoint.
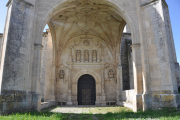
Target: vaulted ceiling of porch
[{"x": 86, "y": 18}]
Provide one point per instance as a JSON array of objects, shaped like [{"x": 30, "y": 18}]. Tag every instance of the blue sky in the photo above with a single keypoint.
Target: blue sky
[{"x": 174, "y": 8}]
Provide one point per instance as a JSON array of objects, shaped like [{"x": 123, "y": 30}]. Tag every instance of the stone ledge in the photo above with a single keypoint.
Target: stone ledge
[
  {"x": 125, "y": 104},
  {"x": 148, "y": 3},
  {"x": 161, "y": 99},
  {"x": 47, "y": 104}
]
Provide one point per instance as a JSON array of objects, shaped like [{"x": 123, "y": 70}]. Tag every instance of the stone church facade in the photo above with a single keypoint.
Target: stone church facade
[{"x": 84, "y": 58}]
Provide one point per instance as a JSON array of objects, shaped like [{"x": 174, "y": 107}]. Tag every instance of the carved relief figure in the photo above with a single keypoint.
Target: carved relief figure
[
  {"x": 86, "y": 42},
  {"x": 78, "y": 55},
  {"x": 86, "y": 56},
  {"x": 111, "y": 73},
  {"x": 61, "y": 74},
  {"x": 94, "y": 56}
]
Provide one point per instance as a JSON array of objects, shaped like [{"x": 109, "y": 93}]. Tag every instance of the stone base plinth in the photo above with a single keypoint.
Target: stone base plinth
[
  {"x": 137, "y": 103},
  {"x": 69, "y": 103},
  {"x": 159, "y": 99},
  {"x": 17, "y": 101}
]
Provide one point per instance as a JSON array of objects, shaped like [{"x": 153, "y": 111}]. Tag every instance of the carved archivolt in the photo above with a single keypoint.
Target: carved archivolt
[{"x": 90, "y": 72}]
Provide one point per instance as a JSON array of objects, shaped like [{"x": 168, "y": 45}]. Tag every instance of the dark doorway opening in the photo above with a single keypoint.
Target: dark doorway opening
[{"x": 86, "y": 90}]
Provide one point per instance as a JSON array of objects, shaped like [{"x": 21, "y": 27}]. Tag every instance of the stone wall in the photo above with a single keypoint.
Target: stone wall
[
  {"x": 1, "y": 42},
  {"x": 127, "y": 96},
  {"x": 1, "y": 37},
  {"x": 126, "y": 62},
  {"x": 177, "y": 68}
]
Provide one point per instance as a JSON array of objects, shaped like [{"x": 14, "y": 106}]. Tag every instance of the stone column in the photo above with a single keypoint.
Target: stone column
[
  {"x": 74, "y": 56},
  {"x": 49, "y": 94},
  {"x": 119, "y": 83},
  {"x": 69, "y": 85},
  {"x": 90, "y": 55},
  {"x": 138, "y": 81},
  {"x": 103, "y": 95},
  {"x": 70, "y": 55},
  {"x": 98, "y": 54},
  {"x": 102, "y": 53},
  {"x": 35, "y": 83},
  {"x": 15, "y": 66},
  {"x": 82, "y": 56}
]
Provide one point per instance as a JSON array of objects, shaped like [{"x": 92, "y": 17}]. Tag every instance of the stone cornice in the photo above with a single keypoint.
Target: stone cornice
[
  {"x": 38, "y": 45},
  {"x": 23, "y": 1},
  {"x": 148, "y": 3},
  {"x": 86, "y": 64},
  {"x": 135, "y": 45},
  {"x": 152, "y": 1}
]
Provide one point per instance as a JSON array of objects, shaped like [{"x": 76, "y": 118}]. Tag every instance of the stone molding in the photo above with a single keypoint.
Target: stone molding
[
  {"x": 87, "y": 64},
  {"x": 38, "y": 45},
  {"x": 153, "y": 1},
  {"x": 148, "y": 3},
  {"x": 90, "y": 72},
  {"x": 135, "y": 45}
]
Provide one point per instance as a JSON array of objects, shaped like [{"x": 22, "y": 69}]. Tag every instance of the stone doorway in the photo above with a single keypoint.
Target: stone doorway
[{"x": 86, "y": 90}]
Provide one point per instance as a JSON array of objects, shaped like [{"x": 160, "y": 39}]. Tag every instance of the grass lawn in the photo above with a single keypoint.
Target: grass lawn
[{"x": 95, "y": 113}]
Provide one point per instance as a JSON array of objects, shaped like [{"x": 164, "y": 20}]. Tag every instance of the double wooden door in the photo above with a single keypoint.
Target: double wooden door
[{"x": 86, "y": 90}]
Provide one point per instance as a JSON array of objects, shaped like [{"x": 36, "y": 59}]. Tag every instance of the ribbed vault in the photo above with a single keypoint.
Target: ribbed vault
[{"x": 86, "y": 18}]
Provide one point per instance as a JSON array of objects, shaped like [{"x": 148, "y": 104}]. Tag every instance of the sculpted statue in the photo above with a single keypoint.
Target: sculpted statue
[
  {"x": 111, "y": 73},
  {"x": 86, "y": 56},
  {"x": 61, "y": 74},
  {"x": 78, "y": 55},
  {"x": 94, "y": 56}
]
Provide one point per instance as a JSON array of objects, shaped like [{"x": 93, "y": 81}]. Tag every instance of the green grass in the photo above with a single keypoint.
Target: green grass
[
  {"x": 34, "y": 116},
  {"x": 165, "y": 114},
  {"x": 102, "y": 113}
]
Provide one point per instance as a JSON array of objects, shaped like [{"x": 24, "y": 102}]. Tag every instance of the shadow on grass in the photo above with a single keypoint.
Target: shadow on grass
[
  {"x": 170, "y": 113},
  {"x": 161, "y": 114}
]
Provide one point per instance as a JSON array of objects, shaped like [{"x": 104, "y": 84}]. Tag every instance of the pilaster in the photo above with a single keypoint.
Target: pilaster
[{"x": 138, "y": 82}]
